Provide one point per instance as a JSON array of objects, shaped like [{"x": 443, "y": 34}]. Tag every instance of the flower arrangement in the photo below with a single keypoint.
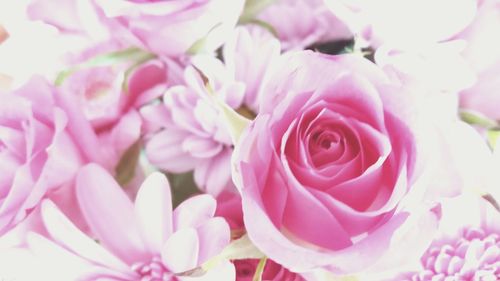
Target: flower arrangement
[{"x": 231, "y": 140}]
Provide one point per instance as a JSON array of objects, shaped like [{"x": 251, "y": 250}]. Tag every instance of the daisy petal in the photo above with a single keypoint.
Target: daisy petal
[{"x": 153, "y": 207}]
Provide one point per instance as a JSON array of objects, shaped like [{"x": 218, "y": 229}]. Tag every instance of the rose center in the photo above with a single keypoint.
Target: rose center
[
  {"x": 325, "y": 139},
  {"x": 153, "y": 270},
  {"x": 96, "y": 90}
]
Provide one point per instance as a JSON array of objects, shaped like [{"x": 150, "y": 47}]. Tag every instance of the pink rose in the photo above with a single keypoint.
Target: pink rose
[
  {"x": 82, "y": 18},
  {"x": 171, "y": 27},
  {"x": 103, "y": 101},
  {"x": 37, "y": 153},
  {"x": 326, "y": 170}
]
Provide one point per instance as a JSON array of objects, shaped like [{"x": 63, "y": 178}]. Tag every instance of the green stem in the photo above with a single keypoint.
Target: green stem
[{"x": 259, "y": 270}]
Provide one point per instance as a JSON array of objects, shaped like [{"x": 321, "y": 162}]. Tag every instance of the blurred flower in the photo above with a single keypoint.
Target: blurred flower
[
  {"x": 38, "y": 154},
  {"x": 3, "y": 34},
  {"x": 301, "y": 23},
  {"x": 142, "y": 241},
  {"x": 171, "y": 27},
  {"x": 483, "y": 55}
]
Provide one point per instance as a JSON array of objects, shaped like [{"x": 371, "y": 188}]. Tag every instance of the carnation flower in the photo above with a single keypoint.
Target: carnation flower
[{"x": 467, "y": 248}]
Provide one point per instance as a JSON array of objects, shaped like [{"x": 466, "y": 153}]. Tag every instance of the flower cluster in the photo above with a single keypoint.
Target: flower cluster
[{"x": 277, "y": 140}]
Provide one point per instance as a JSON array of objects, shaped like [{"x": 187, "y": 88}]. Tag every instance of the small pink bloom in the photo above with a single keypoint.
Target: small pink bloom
[
  {"x": 37, "y": 152},
  {"x": 105, "y": 101},
  {"x": 141, "y": 241},
  {"x": 191, "y": 133}
]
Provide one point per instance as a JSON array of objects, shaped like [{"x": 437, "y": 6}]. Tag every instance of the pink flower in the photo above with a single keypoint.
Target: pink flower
[
  {"x": 37, "y": 152},
  {"x": 81, "y": 18},
  {"x": 467, "y": 247},
  {"x": 156, "y": 25},
  {"x": 106, "y": 99},
  {"x": 483, "y": 55},
  {"x": 191, "y": 134},
  {"x": 141, "y": 241},
  {"x": 301, "y": 23},
  {"x": 327, "y": 170},
  {"x": 248, "y": 55}
]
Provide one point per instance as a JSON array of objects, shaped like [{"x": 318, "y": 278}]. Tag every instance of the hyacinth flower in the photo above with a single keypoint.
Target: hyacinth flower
[{"x": 141, "y": 241}]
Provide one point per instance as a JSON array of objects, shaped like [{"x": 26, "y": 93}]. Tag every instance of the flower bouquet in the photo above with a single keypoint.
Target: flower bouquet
[{"x": 275, "y": 140}]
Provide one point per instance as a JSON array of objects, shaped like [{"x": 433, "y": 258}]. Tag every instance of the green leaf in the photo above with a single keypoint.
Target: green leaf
[
  {"x": 134, "y": 55},
  {"x": 125, "y": 170},
  {"x": 235, "y": 122},
  {"x": 253, "y": 8},
  {"x": 130, "y": 70},
  {"x": 259, "y": 270},
  {"x": 265, "y": 25},
  {"x": 493, "y": 136},
  {"x": 476, "y": 118},
  {"x": 200, "y": 44}
]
